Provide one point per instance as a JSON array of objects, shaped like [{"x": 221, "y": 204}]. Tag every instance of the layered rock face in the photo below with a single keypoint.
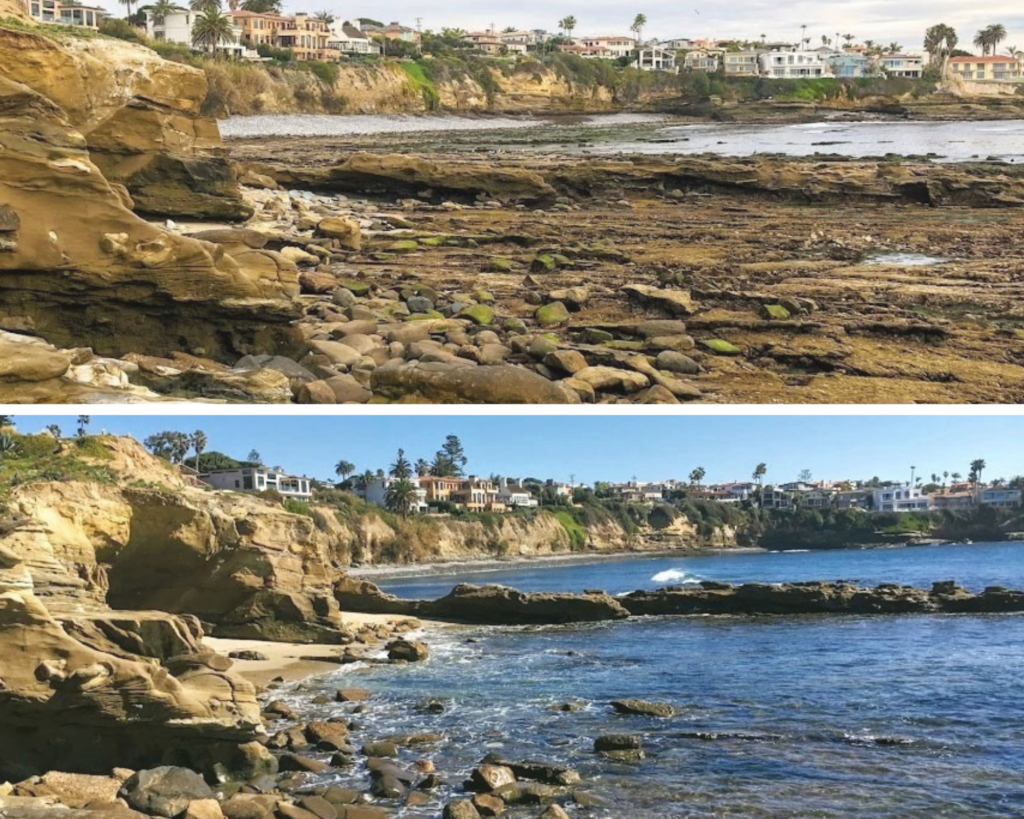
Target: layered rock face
[
  {"x": 72, "y": 697},
  {"x": 79, "y": 268},
  {"x": 140, "y": 116}
]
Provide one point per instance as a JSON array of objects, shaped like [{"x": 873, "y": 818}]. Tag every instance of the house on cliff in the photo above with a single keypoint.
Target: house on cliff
[
  {"x": 259, "y": 479},
  {"x": 66, "y": 14},
  {"x": 176, "y": 27}
]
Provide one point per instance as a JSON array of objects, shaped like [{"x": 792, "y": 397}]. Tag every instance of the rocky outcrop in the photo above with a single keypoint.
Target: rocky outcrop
[
  {"x": 67, "y": 706},
  {"x": 398, "y": 174},
  {"x": 78, "y": 268},
  {"x": 820, "y": 598},
  {"x": 490, "y": 604},
  {"x": 140, "y": 116}
]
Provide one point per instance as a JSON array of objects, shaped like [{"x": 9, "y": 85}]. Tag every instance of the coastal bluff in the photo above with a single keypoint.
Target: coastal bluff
[{"x": 91, "y": 131}]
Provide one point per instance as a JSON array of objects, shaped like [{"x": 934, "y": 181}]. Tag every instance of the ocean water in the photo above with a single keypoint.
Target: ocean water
[
  {"x": 888, "y": 716},
  {"x": 945, "y": 141},
  {"x": 974, "y": 566}
]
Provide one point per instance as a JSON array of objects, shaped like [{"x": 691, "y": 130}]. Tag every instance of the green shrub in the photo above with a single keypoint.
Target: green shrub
[
  {"x": 577, "y": 534},
  {"x": 297, "y": 507}
]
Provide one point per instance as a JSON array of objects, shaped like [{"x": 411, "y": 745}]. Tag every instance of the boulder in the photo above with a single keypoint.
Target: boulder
[
  {"x": 166, "y": 791},
  {"x": 675, "y": 362},
  {"x": 444, "y": 383},
  {"x": 502, "y": 605},
  {"x": 673, "y": 302},
  {"x": 551, "y": 315},
  {"x": 460, "y": 809},
  {"x": 408, "y": 651},
  {"x": 491, "y": 777},
  {"x": 342, "y": 229},
  {"x": 612, "y": 378},
  {"x": 644, "y": 708}
]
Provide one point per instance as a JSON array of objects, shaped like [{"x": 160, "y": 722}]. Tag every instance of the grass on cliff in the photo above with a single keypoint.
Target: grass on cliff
[
  {"x": 423, "y": 84},
  {"x": 37, "y": 458}
]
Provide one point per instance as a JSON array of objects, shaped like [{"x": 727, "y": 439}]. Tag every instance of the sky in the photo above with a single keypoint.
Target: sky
[
  {"x": 884, "y": 21},
  {"x": 612, "y": 448}
]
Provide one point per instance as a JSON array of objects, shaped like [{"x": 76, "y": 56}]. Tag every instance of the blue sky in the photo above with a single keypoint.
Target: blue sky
[{"x": 607, "y": 447}]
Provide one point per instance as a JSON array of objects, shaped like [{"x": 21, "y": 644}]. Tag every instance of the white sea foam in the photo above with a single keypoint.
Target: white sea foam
[{"x": 677, "y": 576}]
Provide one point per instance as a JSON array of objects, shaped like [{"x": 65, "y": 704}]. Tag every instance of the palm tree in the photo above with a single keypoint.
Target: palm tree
[
  {"x": 401, "y": 468},
  {"x": 568, "y": 24},
  {"x": 895, "y": 48},
  {"x": 325, "y": 16},
  {"x": 945, "y": 477},
  {"x": 127, "y": 3},
  {"x": 204, "y": 5},
  {"x": 83, "y": 424},
  {"x": 400, "y": 496},
  {"x": 160, "y": 9},
  {"x": 759, "y": 472},
  {"x": 981, "y": 41},
  {"x": 956, "y": 476},
  {"x": 211, "y": 28},
  {"x": 422, "y": 468},
  {"x": 199, "y": 442},
  {"x": 638, "y": 28},
  {"x": 849, "y": 38},
  {"x": 939, "y": 42},
  {"x": 996, "y": 34},
  {"x": 697, "y": 476},
  {"x": 343, "y": 469},
  {"x": 977, "y": 467}
]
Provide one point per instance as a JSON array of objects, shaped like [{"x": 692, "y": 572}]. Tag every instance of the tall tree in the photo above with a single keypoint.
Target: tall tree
[
  {"x": 442, "y": 467},
  {"x": 53, "y": 429},
  {"x": 401, "y": 469},
  {"x": 199, "y": 442},
  {"x": 211, "y": 28},
  {"x": 977, "y": 467},
  {"x": 759, "y": 472},
  {"x": 453, "y": 451},
  {"x": 254, "y": 457},
  {"x": 129, "y": 4},
  {"x": 939, "y": 42},
  {"x": 204, "y": 5},
  {"x": 343, "y": 469},
  {"x": 83, "y": 425},
  {"x": 697, "y": 475},
  {"x": 400, "y": 496},
  {"x": 638, "y": 28},
  {"x": 262, "y": 6},
  {"x": 568, "y": 24},
  {"x": 6, "y": 421},
  {"x": 422, "y": 468},
  {"x": 160, "y": 9}
]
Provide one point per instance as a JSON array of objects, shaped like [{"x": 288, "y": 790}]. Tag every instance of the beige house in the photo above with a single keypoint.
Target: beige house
[
  {"x": 66, "y": 14},
  {"x": 987, "y": 69}
]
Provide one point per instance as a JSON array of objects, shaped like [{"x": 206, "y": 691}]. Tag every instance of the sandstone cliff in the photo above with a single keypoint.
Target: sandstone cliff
[
  {"x": 80, "y": 269},
  {"x": 142, "y": 538},
  {"x": 140, "y": 116}
]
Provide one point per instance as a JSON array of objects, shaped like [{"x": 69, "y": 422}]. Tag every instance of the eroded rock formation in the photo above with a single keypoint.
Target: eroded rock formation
[
  {"x": 140, "y": 116},
  {"x": 78, "y": 268}
]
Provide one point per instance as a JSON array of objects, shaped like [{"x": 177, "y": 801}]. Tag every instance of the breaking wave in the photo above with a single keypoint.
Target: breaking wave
[{"x": 677, "y": 576}]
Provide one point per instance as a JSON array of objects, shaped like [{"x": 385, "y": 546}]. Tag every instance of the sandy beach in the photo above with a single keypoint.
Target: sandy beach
[{"x": 291, "y": 661}]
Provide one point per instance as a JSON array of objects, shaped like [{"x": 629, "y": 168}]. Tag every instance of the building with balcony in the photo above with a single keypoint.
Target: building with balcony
[
  {"x": 66, "y": 14},
  {"x": 794, "y": 65},
  {"x": 987, "y": 69},
  {"x": 740, "y": 64},
  {"x": 346, "y": 38},
  {"x": 176, "y": 27},
  {"x": 259, "y": 479},
  {"x": 377, "y": 492},
  {"x": 904, "y": 498}
]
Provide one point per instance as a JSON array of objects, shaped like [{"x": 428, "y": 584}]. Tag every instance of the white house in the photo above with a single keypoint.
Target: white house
[
  {"x": 902, "y": 65},
  {"x": 904, "y": 498},
  {"x": 656, "y": 58},
  {"x": 259, "y": 479},
  {"x": 176, "y": 27},
  {"x": 376, "y": 492},
  {"x": 347, "y": 39},
  {"x": 513, "y": 494},
  {"x": 793, "y": 65},
  {"x": 1004, "y": 498}
]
